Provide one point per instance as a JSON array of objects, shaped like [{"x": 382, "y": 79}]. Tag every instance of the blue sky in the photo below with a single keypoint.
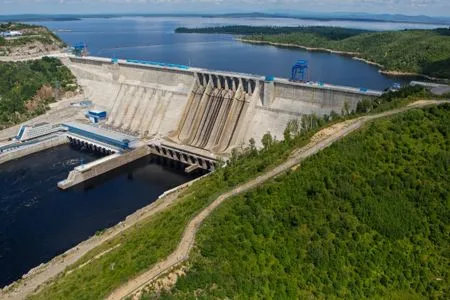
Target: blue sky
[{"x": 408, "y": 7}]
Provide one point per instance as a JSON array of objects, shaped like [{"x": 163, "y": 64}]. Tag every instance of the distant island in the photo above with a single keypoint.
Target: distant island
[{"x": 406, "y": 52}]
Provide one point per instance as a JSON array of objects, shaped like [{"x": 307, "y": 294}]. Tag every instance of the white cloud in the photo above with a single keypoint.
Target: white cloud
[{"x": 431, "y": 7}]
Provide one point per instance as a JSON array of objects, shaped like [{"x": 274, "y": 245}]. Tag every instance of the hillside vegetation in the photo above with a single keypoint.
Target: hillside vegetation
[
  {"x": 413, "y": 51},
  {"x": 26, "y": 88},
  {"x": 153, "y": 239},
  {"x": 367, "y": 218},
  {"x": 332, "y": 33},
  {"x": 33, "y": 41}
]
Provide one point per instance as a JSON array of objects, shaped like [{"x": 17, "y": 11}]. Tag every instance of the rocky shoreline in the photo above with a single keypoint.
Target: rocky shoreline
[{"x": 297, "y": 46}]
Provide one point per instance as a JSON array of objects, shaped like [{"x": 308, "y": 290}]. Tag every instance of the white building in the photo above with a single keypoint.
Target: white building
[{"x": 11, "y": 33}]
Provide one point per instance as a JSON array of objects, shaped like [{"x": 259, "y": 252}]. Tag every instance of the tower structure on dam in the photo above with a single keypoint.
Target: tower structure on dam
[{"x": 198, "y": 111}]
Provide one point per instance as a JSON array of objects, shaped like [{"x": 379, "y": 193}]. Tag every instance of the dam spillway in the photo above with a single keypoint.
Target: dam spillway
[
  {"x": 199, "y": 110},
  {"x": 215, "y": 111}
]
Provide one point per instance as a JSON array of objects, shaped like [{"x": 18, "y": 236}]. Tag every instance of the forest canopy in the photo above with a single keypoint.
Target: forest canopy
[
  {"x": 26, "y": 88},
  {"x": 366, "y": 218}
]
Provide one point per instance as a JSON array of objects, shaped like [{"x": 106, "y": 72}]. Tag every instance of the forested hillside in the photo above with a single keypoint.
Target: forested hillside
[
  {"x": 414, "y": 51},
  {"x": 26, "y": 88},
  {"x": 332, "y": 33},
  {"x": 152, "y": 239},
  {"x": 366, "y": 218},
  {"x": 33, "y": 41}
]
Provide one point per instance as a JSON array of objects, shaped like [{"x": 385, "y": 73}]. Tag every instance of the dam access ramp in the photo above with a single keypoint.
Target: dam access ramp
[{"x": 200, "y": 110}]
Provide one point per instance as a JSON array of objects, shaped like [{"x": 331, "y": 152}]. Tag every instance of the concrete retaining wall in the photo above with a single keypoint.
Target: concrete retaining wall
[
  {"x": 102, "y": 166},
  {"x": 30, "y": 149},
  {"x": 147, "y": 101},
  {"x": 322, "y": 97},
  {"x": 285, "y": 101},
  {"x": 121, "y": 72}
]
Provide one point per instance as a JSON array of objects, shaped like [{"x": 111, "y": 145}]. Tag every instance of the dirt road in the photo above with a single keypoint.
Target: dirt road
[{"x": 321, "y": 140}]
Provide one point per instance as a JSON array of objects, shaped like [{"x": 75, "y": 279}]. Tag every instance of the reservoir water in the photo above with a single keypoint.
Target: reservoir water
[
  {"x": 153, "y": 38},
  {"x": 38, "y": 221}
]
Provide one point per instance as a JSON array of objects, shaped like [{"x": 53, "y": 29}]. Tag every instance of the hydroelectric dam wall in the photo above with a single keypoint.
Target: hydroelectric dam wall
[{"x": 201, "y": 111}]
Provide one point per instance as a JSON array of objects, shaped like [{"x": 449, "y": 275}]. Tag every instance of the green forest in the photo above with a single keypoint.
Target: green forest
[
  {"x": 154, "y": 238},
  {"x": 367, "y": 218},
  {"x": 332, "y": 33},
  {"x": 414, "y": 51},
  {"x": 22, "y": 86}
]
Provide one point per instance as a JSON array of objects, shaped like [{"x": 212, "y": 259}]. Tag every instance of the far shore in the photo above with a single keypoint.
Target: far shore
[
  {"x": 354, "y": 55},
  {"x": 298, "y": 46}
]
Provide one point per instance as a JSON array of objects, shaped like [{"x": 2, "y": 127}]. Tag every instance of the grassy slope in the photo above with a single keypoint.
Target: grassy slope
[
  {"x": 367, "y": 217},
  {"x": 20, "y": 81}
]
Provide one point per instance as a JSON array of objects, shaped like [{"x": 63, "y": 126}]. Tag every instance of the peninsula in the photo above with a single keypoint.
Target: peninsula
[{"x": 406, "y": 52}]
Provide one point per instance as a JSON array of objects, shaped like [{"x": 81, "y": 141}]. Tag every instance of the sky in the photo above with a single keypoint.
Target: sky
[{"x": 406, "y": 7}]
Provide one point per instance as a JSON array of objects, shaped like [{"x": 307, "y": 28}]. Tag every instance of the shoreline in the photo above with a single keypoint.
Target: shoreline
[
  {"x": 43, "y": 275},
  {"x": 354, "y": 55},
  {"x": 411, "y": 74},
  {"x": 312, "y": 49}
]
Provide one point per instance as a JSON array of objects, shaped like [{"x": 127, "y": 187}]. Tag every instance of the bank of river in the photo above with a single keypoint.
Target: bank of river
[{"x": 38, "y": 221}]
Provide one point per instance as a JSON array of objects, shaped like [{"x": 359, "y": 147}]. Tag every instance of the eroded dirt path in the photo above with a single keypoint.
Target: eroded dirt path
[{"x": 319, "y": 141}]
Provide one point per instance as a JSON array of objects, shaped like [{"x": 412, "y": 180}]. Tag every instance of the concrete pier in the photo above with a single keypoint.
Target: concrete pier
[
  {"x": 193, "y": 157},
  {"x": 34, "y": 148},
  {"x": 91, "y": 170}
]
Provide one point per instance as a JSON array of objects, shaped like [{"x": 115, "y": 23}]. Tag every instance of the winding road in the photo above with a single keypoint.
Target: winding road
[{"x": 319, "y": 141}]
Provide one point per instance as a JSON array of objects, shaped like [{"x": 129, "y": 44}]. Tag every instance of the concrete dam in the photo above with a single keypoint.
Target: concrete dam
[{"x": 196, "y": 115}]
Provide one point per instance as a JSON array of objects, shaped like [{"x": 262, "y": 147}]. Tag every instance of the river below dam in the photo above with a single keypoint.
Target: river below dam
[
  {"x": 38, "y": 221},
  {"x": 153, "y": 38}
]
